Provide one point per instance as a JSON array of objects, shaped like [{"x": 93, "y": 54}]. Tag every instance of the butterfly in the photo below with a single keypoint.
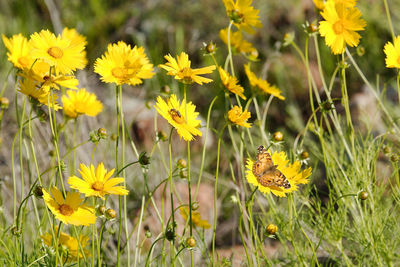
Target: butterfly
[{"x": 266, "y": 172}]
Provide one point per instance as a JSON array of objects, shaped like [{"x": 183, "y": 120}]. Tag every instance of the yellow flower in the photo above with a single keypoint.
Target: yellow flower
[
  {"x": 243, "y": 14},
  {"x": 70, "y": 209},
  {"x": 231, "y": 83},
  {"x": 32, "y": 88},
  {"x": 392, "y": 52},
  {"x": 196, "y": 218},
  {"x": 19, "y": 50},
  {"x": 320, "y": 4},
  {"x": 71, "y": 244},
  {"x": 292, "y": 172},
  {"x": 340, "y": 26},
  {"x": 122, "y": 64},
  {"x": 180, "y": 68},
  {"x": 81, "y": 102},
  {"x": 75, "y": 38},
  {"x": 263, "y": 85},
  {"x": 175, "y": 114},
  {"x": 236, "y": 116},
  {"x": 237, "y": 41},
  {"x": 58, "y": 52},
  {"x": 97, "y": 183}
]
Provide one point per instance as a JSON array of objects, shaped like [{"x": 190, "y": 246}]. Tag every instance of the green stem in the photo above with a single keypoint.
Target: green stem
[
  {"x": 117, "y": 103},
  {"x": 389, "y": 18},
  {"x": 229, "y": 48}
]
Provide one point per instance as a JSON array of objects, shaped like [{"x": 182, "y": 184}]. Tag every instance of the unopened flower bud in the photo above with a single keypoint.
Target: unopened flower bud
[
  {"x": 363, "y": 195},
  {"x": 195, "y": 206},
  {"x": 190, "y": 242},
  {"x": 111, "y": 214},
  {"x": 394, "y": 158},
  {"x": 15, "y": 231},
  {"x": 4, "y": 102},
  {"x": 183, "y": 174},
  {"x": 304, "y": 155},
  {"x": 144, "y": 159},
  {"x": 278, "y": 136},
  {"x": 101, "y": 210},
  {"x": 170, "y": 235},
  {"x": 360, "y": 51},
  {"x": 182, "y": 163},
  {"x": 253, "y": 55},
  {"x": 387, "y": 150},
  {"x": 211, "y": 48},
  {"x": 38, "y": 191},
  {"x": 113, "y": 137},
  {"x": 272, "y": 229},
  {"x": 288, "y": 38},
  {"x": 313, "y": 27},
  {"x": 148, "y": 234},
  {"x": 102, "y": 133},
  {"x": 162, "y": 136},
  {"x": 165, "y": 89}
]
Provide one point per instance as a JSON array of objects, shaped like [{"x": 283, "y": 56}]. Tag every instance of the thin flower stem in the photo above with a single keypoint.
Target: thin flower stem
[
  {"x": 171, "y": 185},
  {"x": 137, "y": 249},
  {"x": 387, "y": 10},
  {"x": 20, "y": 139},
  {"x": 229, "y": 48},
  {"x": 73, "y": 145},
  {"x": 117, "y": 169},
  {"x": 188, "y": 176},
  {"x": 398, "y": 85},
  {"x": 215, "y": 194}
]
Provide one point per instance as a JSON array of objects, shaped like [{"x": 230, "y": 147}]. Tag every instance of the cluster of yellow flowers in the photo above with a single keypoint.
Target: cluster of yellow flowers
[{"x": 47, "y": 62}]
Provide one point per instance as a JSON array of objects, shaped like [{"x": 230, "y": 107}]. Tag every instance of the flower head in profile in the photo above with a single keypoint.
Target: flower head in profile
[
  {"x": 292, "y": 172},
  {"x": 392, "y": 52},
  {"x": 33, "y": 89},
  {"x": 58, "y": 52},
  {"x": 231, "y": 83},
  {"x": 180, "y": 68},
  {"x": 19, "y": 50},
  {"x": 239, "y": 117},
  {"x": 263, "y": 85},
  {"x": 196, "y": 218},
  {"x": 243, "y": 15},
  {"x": 340, "y": 26},
  {"x": 181, "y": 116},
  {"x": 97, "y": 182},
  {"x": 69, "y": 210},
  {"x": 237, "y": 41},
  {"x": 122, "y": 64},
  {"x": 71, "y": 244},
  {"x": 81, "y": 102}
]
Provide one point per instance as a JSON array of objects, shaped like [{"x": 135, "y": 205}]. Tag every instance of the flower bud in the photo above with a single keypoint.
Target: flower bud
[
  {"x": 235, "y": 16},
  {"x": 15, "y": 231},
  {"x": 170, "y": 235},
  {"x": 102, "y": 133},
  {"x": 253, "y": 55},
  {"x": 387, "y": 150},
  {"x": 363, "y": 195},
  {"x": 162, "y": 136},
  {"x": 101, "y": 210},
  {"x": 210, "y": 48},
  {"x": 38, "y": 191},
  {"x": 190, "y": 242},
  {"x": 272, "y": 229},
  {"x": 183, "y": 174},
  {"x": 165, "y": 89},
  {"x": 4, "y": 102},
  {"x": 195, "y": 206},
  {"x": 394, "y": 158},
  {"x": 182, "y": 163},
  {"x": 111, "y": 214},
  {"x": 288, "y": 38},
  {"x": 360, "y": 50},
  {"x": 148, "y": 234},
  {"x": 278, "y": 136},
  {"x": 144, "y": 159},
  {"x": 312, "y": 27},
  {"x": 304, "y": 155}
]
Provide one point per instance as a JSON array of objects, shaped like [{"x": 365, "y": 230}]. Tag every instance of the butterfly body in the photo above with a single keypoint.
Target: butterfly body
[{"x": 266, "y": 172}]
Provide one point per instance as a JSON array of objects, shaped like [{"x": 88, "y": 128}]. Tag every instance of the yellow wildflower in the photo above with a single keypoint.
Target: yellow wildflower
[
  {"x": 19, "y": 50},
  {"x": 175, "y": 113},
  {"x": 263, "y": 85},
  {"x": 239, "y": 117},
  {"x": 97, "y": 183},
  {"x": 292, "y": 172},
  {"x": 122, "y": 64},
  {"x": 32, "y": 88},
  {"x": 340, "y": 26},
  {"x": 180, "y": 68},
  {"x": 231, "y": 83},
  {"x": 58, "y": 52},
  {"x": 243, "y": 15},
  {"x": 392, "y": 52},
  {"x": 196, "y": 217},
  {"x": 81, "y": 102},
  {"x": 69, "y": 210},
  {"x": 237, "y": 41}
]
